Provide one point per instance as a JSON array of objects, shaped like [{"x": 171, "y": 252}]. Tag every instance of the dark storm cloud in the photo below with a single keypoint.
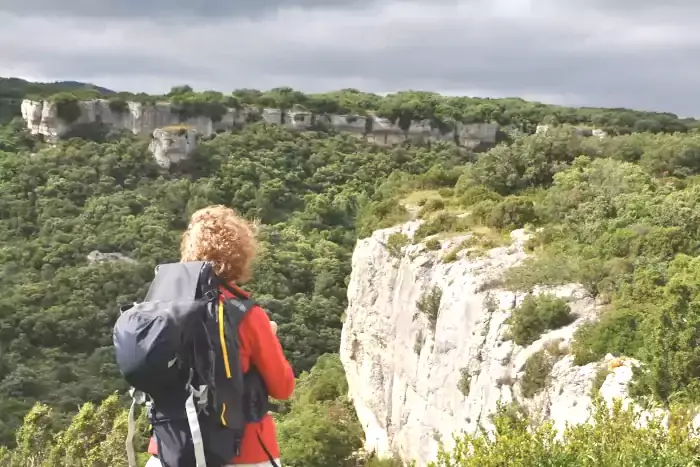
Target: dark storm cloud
[
  {"x": 578, "y": 53},
  {"x": 169, "y": 8}
]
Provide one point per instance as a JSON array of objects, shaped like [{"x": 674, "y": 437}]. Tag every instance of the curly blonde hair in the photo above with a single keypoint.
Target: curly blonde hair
[{"x": 218, "y": 234}]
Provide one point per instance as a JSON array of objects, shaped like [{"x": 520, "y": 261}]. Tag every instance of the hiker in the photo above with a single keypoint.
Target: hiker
[{"x": 218, "y": 237}]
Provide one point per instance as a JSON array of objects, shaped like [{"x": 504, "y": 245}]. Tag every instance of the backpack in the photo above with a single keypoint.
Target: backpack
[{"x": 179, "y": 351}]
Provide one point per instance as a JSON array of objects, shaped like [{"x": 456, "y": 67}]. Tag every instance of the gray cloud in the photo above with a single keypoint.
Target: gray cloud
[
  {"x": 640, "y": 55},
  {"x": 637, "y": 7},
  {"x": 169, "y": 8}
]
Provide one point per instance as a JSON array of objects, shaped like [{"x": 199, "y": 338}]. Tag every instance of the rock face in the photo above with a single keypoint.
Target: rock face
[
  {"x": 404, "y": 377},
  {"x": 577, "y": 131},
  {"x": 96, "y": 256},
  {"x": 42, "y": 118},
  {"x": 171, "y": 145}
]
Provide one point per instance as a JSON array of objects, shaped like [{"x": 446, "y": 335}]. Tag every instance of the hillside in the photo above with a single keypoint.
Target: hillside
[
  {"x": 449, "y": 315},
  {"x": 400, "y": 108},
  {"x": 616, "y": 215},
  {"x": 13, "y": 90},
  {"x": 18, "y": 88}
]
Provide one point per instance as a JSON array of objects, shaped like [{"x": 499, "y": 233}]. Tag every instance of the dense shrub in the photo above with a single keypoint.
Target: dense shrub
[
  {"x": 442, "y": 222},
  {"x": 612, "y": 439},
  {"x": 118, "y": 105},
  {"x": 536, "y": 373},
  {"x": 537, "y": 314},
  {"x": 464, "y": 381},
  {"x": 396, "y": 242},
  {"x": 67, "y": 107},
  {"x": 433, "y": 244},
  {"x": 431, "y": 205},
  {"x": 429, "y": 305},
  {"x": 476, "y": 194},
  {"x": 511, "y": 213}
]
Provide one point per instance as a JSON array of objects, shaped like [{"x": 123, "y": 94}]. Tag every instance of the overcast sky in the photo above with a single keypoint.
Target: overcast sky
[{"x": 642, "y": 54}]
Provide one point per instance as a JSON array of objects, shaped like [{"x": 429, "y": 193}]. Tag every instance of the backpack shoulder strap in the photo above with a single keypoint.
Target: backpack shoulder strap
[{"x": 238, "y": 304}]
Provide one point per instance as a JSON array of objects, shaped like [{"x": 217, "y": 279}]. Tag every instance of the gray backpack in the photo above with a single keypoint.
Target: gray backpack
[{"x": 179, "y": 351}]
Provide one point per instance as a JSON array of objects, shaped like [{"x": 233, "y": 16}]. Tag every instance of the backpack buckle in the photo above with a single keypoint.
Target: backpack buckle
[
  {"x": 139, "y": 397},
  {"x": 201, "y": 395}
]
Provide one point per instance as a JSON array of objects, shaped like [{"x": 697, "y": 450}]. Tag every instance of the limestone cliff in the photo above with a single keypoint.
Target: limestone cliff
[
  {"x": 577, "y": 131},
  {"x": 413, "y": 384},
  {"x": 97, "y": 256},
  {"x": 171, "y": 145},
  {"x": 42, "y": 118}
]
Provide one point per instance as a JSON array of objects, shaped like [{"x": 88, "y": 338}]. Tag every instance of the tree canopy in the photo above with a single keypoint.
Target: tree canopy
[{"x": 58, "y": 204}]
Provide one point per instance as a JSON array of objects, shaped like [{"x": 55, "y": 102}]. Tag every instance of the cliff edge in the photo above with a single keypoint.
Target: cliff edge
[
  {"x": 427, "y": 349},
  {"x": 45, "y": 118}
]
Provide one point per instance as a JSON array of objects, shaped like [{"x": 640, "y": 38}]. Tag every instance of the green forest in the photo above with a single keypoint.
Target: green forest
[{"x": 620, "y": 215}]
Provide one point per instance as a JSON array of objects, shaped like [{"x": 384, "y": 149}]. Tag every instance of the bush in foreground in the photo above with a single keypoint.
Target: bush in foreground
[
  {"x": 611, "y": 440},
  {"x": 317, "y": 428}
]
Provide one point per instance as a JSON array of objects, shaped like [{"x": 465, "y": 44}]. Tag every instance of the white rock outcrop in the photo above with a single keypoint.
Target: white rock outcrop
[
  {"x": 576, "y": 131},
  {"x": 42, "y": 118},
  {"x": 97, "y": 256},
  {"x": 404, "y": 378},
  {"x": 172, "y": 145}
]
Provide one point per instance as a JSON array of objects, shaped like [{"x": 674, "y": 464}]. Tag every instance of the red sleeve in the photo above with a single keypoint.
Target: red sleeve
[{"x": 267, "y": 354}]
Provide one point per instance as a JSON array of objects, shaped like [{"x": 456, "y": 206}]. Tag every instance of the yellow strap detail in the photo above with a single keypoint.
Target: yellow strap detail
[
  {"x": 222, "y": 338},
  {"x": 223, "y": 412}
]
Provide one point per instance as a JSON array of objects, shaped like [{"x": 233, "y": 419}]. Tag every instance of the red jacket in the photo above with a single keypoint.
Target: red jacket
[{"x": 259, "y": 346}]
